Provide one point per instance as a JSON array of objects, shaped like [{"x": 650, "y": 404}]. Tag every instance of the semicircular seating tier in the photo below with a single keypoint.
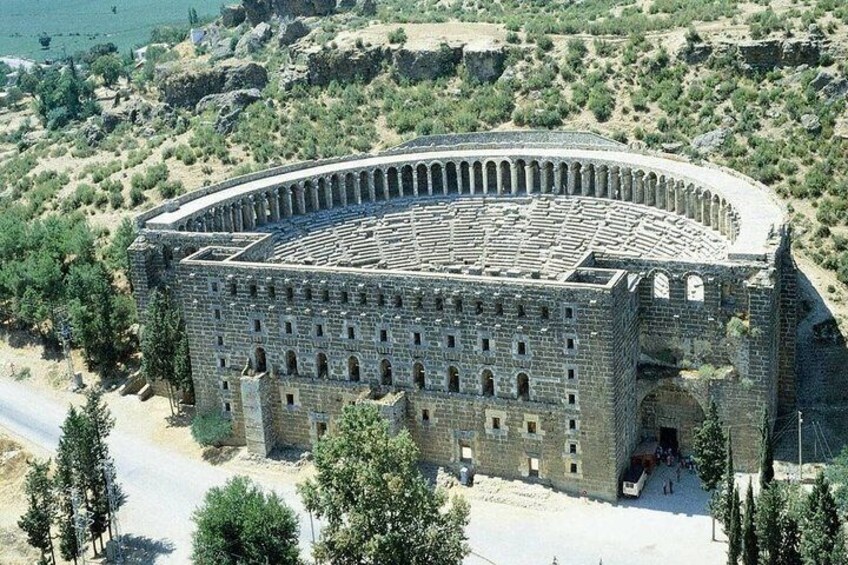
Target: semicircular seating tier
[{"x": 567, "y": 200}]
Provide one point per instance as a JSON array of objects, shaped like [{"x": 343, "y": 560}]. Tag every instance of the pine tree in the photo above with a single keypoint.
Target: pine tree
[
  {"x": 822, "y": 542},
  {"x": 734, "y": 530},
  {"x": 769, "y": 509},
  {"x": 729, "y": 483},
  {"x": 750, "y": 548},
  {"x": 38, "y": 518},
  {"x": 766, "y": 452}
]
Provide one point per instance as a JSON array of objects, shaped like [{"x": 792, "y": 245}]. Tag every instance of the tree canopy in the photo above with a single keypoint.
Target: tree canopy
[
  {"x": 239, "y": 524},
  {"x": 376, "y": 506}
]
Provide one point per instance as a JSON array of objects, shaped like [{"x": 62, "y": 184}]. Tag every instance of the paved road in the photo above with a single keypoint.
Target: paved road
[{"x": 164, "y": 487}]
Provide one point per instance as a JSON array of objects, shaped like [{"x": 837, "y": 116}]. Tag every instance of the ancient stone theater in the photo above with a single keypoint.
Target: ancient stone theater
[{"x": 534, "y": 305}]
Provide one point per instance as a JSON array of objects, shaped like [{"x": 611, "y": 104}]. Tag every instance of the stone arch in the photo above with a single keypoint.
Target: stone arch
[
  {"x": 715, "y": 211},
  {"x": 487, "y": 383},
  {"x": 386, "y": 372},
  {"x": 423, "y": 175},
  {"x": 419, "y": 379},
  {"x": 353, "y": 371},
  {"x": 437, "y": 179},
  {"x": 464, "y": 179},
  {"x": 291, "y": 363},
  {"x": 324, "y": 197},
  {"x": 694, "y": 288},
  {"x": 260, "y": 361},
  {"x": 322, "y": 366},
  {"x": 562, "y": 176},
  {"x": 364, "y": 180},
  {"x": 338, "y": 191},
  {"x": 587, "y": 179},
  {"x": 548, "y": 174},
  {"x": 661, "y": 286},
  {"x": 668, "y": 406},
  {"x": 576, "y": 177},
  {"x": 380, "y": 185},
  {"x": 407, "y": 182},
  {"x": 350, "y": 188},
  {"x": 534, "y": 178},
  {"x": 491, "y": 182},
  {"x": 522, "y": 391},
  {"x": 651, "y": 182},
  {"x": 506, "y": 177},
  {"x": 520, "y": 176},
  {"x": 477, "y": 179},
  {"x": 454, "y": 176},
  {"x": 453, "y": 379}
]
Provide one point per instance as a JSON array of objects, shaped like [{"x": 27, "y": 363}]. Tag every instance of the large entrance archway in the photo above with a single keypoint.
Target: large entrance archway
[{"x": 669, "y": 414}]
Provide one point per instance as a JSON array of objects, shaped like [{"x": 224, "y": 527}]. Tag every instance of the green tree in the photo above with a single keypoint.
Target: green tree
[
  {"x": 159, "y": 339},
  {"x": 63, "y": 96},
  {"x": 734, "y": 530},
  {"x": 210, "y": 428},
  {"x": 729, "y": 483},
  {"x": 193, "y": 19},
  {"x": 837, "y": 476},
  {"x": 790, "y": 541},
  {"x": 108, "y": 67},
  {"x": 67, "y": 480},
  {"x": 822, "y": 541},
  {"x": 101, "y": 423},
  {"x": 766, "y": 452},
  {"x": 38, "y": 517},
  {"x": 116, "y": 254},
  {"x": 376, "y": 506},
  {"x": 750, "y": 547},
  {"x": 709, "y": 452},
  {"x": 182, "y": 365},
  {"x": 239, "y": 524},
  {"x": 770, "y": 508}
]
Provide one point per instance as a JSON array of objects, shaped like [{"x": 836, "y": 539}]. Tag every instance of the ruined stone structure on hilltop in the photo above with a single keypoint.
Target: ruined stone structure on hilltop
[{"x": 536, "y": 304}]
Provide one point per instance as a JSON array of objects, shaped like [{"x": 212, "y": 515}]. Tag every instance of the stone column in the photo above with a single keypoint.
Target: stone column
[
  {"x": 227, "y": 218},
  {"x": 661, "y": 196},
  {"x": 638, "y": 187},
  {"x": 369, "y": 186},
  {"x": 543, "y": 174},
  {"x": 557, "y": 178},
  {"x": 472, "y": 178},
  {"x": 571, "y": 187},
  {"x": 249, "y": 213},
  {"x": 680, "y": 193},
  {"x": 615, "y": 183},
  {"x": 414, "y": 182},
  {"x": 328, "y": 191},
  {"x": 343, "y": 190},
  {"x": 274, "y": 204},
  {"x": 651, "y": 190},
  {"x": 300, "y": 194},
  {"x": 499, "y": 178},
  {"x": 259, "y": 205},
  {"x": 586, "y": 180},
  {"x": 513, "y": 177},
  {"x": 387, "y": 186},
  {"x": 528, "y": 176},
  {"x": 697, "y": 205},
  {"x": 601, "y": 181},
  {"x": 444, "y": 180},
  {"x": 627, "y": 185},
  {"x": 287, "y": 201},
  {"x": 357, "y": 188},
  {"x": 238, "y": 216}
]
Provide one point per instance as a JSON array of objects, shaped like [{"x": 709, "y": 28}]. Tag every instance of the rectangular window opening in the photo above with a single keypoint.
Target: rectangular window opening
[
  {"x": 533, "y": 466},
  {"x": 531, "y": 427},
  {"x": 289, "y": 399},
  {"x": 496, "y": 423},
  {"x": 425, "y": 415}
]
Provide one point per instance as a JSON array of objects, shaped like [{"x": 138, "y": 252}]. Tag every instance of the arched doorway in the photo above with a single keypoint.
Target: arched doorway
[
  {"x": 322, "y": 366},
  {"x": 261, "y": 364},
  {"x": 353, "y": 369},
  {"x": 291, "y": 363},
  {"x": 418, "y": 375},
  {"x": 670, "y": 415},
  {"x": 385, "y": 372}
]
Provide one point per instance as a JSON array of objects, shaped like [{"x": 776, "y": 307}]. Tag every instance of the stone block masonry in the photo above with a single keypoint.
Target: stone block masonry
[{"x": 532, "y": 305}]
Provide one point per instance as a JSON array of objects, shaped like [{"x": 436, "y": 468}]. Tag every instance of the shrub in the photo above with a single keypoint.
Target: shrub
[
  {"x": 397, "y": 36},
  {"x": 210, "y": 429},
  {"x": 736, "y": 328}
]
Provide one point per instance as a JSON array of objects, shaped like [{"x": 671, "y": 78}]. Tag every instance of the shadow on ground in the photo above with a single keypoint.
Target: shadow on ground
[
  {"x": 219, "y": 455},
  {"x": 143, "y": 550}
]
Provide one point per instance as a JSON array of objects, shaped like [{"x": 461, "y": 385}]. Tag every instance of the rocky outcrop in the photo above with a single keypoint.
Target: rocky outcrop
[
  {"x": 484, "y": 62},
  {"x": 709, "y": 142},
  {"x": 295, "y": 75},
  {"x": 343, "y": 65},
  {"x": 832, "y": 88},
  {"x": 259, "y": 11},
  {"x": 291, "y": 31},
  {"x": 361, "y": 7},
  {"x": 228, "y": 105},
  {"x": 185, "y": 87},
  {"x": 768, "y": 54},
  {"x": 253, "y": 40},
  {"x": 136, "y": 111},
  {"x": 811, "y": 123},
  {"x": 426, "y": 63},
  {"x": 695, "y": 53},
  {"x": 232, "y": 15}
]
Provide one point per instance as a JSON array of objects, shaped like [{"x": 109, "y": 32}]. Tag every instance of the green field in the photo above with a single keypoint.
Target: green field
[{"x": 76, "y": 25}]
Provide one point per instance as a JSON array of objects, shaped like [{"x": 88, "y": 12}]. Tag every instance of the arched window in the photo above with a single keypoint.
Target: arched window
[
  {"x": 291, "y": 363},
  {"x": 353, "y": 369},
  {"x": 321, "y": 366},
  {"x": 418, "y": 375},
  {"x": 261, "y": 365},
  {"x": 523, "y": 387},
  {"x": 694, "y": 288},
  {"x": 661, "y": 287},
  {"x": 488, "y": 383},
  {"x": 453, "y": 379},
  {"x": 385, "y": 372}
]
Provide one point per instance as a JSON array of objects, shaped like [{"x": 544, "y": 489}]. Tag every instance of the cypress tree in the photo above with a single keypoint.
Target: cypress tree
[
  {"x": 790, "y": 539},
  {"x": 750, "y": 548},
  {"x": 66, "y": 479},
  {"x": 768, "y": 516},
  {"x": 38, "y": 517},
  {"x": 159, "y": 340},
  {"x": 734, "y": 530},
  {"x": 766, "y": 452},
  {"x": 729, "y": 484},
  {"x": 182, "y": 365},
  {"x": 821, "y": 541},
  {"x": 709, "y": 452}
]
